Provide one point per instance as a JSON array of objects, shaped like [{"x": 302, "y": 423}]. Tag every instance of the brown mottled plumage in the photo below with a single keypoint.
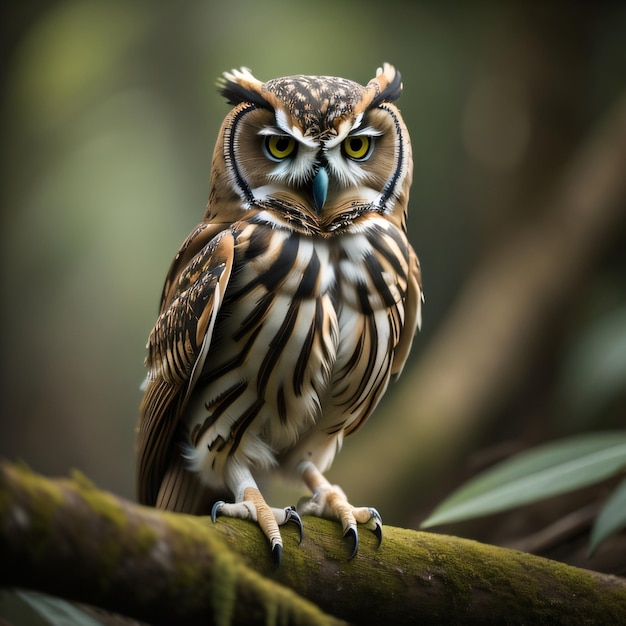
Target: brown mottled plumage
[{"x": 290, "y": 306}]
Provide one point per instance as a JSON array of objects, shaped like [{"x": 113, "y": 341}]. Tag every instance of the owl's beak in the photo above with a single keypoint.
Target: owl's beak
[{"x": 320, "y": 189}]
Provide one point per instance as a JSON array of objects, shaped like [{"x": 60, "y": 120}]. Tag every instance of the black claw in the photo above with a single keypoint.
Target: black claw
[
  {"x": 294, "y": 518},
  {"x": 378, "y": 531},
  {"x": 352, "y": 536},
  {"x": 277, "y": 555},
  {"x": 378, "y": 525},
  {"x": 216, "y": 509}
]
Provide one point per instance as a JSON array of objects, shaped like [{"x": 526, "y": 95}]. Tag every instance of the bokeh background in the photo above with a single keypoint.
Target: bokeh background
[{"x": 108, "y": 117}]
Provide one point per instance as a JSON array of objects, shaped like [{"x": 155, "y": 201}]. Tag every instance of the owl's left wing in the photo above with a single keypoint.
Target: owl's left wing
[
  {"x": 178, "y": 346},
  {"x": 412, "y": 314}
]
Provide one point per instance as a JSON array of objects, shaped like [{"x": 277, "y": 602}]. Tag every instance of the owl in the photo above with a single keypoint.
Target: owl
[{"x": 288, "y": 309}]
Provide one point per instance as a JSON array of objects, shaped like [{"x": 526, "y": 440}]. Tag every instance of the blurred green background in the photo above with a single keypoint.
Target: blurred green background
[{"x": 109, "y": 115}]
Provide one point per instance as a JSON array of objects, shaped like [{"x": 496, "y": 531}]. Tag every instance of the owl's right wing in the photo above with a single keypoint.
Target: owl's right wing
[
  {"x": 177, "y": 349},
  {"x": 412, "y": 314}
]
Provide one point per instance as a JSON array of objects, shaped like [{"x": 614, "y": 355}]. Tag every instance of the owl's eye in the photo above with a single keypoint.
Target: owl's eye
[
  {"x": 358, "y": 147},
  {"x": 279, "y": 147}
]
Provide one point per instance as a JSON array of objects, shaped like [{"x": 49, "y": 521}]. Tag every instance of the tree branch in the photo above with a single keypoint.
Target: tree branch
[{"x": 68, "y": 538}]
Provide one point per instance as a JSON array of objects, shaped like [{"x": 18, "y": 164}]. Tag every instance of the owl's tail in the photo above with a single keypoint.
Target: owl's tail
[{"x": 182, "y": 491}]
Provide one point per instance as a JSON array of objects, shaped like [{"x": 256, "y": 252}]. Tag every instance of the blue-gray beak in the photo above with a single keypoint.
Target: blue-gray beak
[{"x": 320, "y": 188}]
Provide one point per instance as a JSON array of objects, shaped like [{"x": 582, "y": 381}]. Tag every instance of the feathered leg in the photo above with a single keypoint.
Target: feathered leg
[
  {"x": 250, "y": 504},
  {"x": 330, "y": 502}
]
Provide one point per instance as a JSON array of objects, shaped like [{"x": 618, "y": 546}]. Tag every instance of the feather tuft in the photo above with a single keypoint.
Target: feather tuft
[{"x": 241, "y": 86}]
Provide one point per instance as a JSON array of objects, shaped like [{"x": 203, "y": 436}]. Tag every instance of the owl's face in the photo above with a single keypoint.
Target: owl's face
[{"x": 313, "y": 153}]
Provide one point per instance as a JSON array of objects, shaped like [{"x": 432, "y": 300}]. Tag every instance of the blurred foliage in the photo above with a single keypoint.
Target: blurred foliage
[
  {"x": 543, "y": 472},
  {"x": 39, "y": 609},
  {"x": 108, "y": 120},
  {"x": 611, "y": 519}
]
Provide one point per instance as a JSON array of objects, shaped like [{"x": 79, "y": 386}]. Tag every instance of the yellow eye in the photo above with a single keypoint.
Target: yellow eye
[
  {"x": 357, "y": 147},
  {"x": 279, "y": 147}
]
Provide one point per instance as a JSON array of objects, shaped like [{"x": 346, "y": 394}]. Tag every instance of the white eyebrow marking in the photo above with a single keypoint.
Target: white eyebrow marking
[
  {"x": 368, "y": 130},
  {"x": 283, "y": 123},
  {"x": 343, "y": 131}
]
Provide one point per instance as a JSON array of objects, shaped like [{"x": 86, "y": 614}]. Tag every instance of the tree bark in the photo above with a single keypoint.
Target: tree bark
[{"x": 67, "y": 538}]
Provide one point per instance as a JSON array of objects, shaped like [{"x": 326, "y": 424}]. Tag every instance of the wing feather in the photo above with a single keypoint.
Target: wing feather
[
  {"x": 177, "y": 349},
  {"x": 412, "y": 314}
]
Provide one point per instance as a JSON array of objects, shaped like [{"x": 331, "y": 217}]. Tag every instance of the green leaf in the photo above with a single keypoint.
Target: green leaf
[
  {"x": 56, "y": 611},
  {"x": 540, "y": 473},
  {"x": 611, "y": 519}
]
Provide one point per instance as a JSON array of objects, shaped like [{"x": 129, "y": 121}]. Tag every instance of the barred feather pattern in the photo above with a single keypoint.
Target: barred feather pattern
[{"x": 303, "y": 346}]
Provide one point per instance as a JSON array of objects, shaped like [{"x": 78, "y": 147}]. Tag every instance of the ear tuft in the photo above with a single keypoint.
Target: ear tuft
[
  {"x": 388, "y": 83},
  {"x": 241, "y": 86},
  {"x": 385, "y": 87}
]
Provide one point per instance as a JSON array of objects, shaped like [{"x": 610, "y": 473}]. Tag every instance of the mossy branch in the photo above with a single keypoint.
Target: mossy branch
[{"x": 68, "y": 538}]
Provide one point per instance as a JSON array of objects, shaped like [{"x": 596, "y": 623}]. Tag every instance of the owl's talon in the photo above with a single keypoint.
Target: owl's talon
[
  {"x": 377, "y": 521},
  {"x": 330, "y": 502},
  {"x": 215, "y": 510},
  {"x": 352, "y": 535},
  {"x": 277, "y": 555},
  {"x": 293, "y": 518}
]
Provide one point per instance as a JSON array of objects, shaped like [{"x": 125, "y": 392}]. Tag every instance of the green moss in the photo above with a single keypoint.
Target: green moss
[
  {"x": 468, "y": 568},
  {"x": 114, "y": 521},
  {"x": 189, "y": 536},
  {"x": 224, "y": 589},
  {"x": 145, "y": 539},
  {"x": 81, "y": 480},
  {"x": 48, "y": 497}
]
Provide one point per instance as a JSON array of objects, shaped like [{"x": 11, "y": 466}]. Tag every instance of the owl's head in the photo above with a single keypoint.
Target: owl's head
[{"x": 312, "y": 153}]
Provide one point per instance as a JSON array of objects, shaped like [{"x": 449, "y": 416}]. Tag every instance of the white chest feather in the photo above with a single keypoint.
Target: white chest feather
[{"x": 304, "y": 345}]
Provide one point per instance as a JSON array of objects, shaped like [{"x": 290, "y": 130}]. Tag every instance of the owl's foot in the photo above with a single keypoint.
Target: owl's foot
[
  {"x": 254, "y": 507},
  {"x": 330, "y": 502}
]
